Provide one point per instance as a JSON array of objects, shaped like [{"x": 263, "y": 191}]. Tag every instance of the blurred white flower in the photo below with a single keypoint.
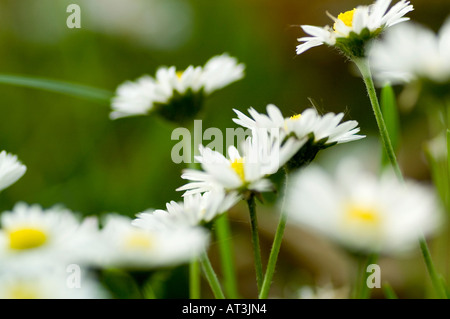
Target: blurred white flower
[
  {"x": 411, "y": 51},
  {"x": 262, "y": 154},
  {"x": 54, "y": 234},
  {"x": 132, "y": 247},
  {"x": 11, "y": 169},
  {"x": 360, "y": 210},
  {"x": 352, "y": 29},
  {"x": 173, "y": 91},
  {"x": 323, "y": 292},
  {"x": 195, "y": 210},
  {"x": 37, "y": 280}
]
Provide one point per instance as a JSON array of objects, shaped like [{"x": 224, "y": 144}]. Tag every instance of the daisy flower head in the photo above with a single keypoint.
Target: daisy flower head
[
  {"x": 135, "y": 247},
  {"x": 412, "y": 52},
  {"x": 353, "y": 29},
  {"x": 361, "y": 211},
  {"x": 37, "y": 280},
  {"x": 54, "y": 234},
  {"x": 11, "y": 169},
  {"x": 314, "y": 131},
  {"x": 177, "y": 95},
  {"x": 245, "y": 171},
  {"x": 195, "y": 210}
]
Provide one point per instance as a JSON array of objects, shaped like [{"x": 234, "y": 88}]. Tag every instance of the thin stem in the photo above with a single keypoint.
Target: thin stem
[
  {"x": 364, "y": 68},
  {"x": 389, "y": 291},
  {"x": 212, "y": 277},
  {"x": 255, "y": 241},
  {"x": 275, "y": 248},
  {"x": 194, "y": 279},
  {"x": 72, "y": 89},
  {"x": 435, "y": 278},
  {"x": 223, "y": 233}
]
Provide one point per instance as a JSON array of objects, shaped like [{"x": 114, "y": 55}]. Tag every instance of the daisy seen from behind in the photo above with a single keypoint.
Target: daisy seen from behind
[{"x": 177, "y": 95}]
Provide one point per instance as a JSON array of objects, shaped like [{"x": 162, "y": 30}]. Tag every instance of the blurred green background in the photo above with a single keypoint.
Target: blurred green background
[{"x": 78, "y": 157}]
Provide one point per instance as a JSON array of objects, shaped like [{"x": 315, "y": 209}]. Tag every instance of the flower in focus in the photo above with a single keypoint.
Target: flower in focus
[
  {"x": 138, "y": 247},
  {"x": 11, "y": 169},
  {"x": 244, "y": 172},
  {"x": 412, "y": 52},
  {"x": 316, "y": 131},
  {"x": 361, "y": 211},
  {"x": 196, "y": 209},
  {"x": 176, "y": 95},
  {"x": 353, "y": 29}
]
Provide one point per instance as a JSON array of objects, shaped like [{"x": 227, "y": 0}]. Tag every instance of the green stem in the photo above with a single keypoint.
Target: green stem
[
  {"x": 389, "y": 291},
  {"x": 72, "y": 89},
  {"x": 212, "y": 277},
  {"x": 194, "y": 279},
  {"x": 267, "y": 282},
  {"x": 435, "y": 278},
  {"x": 255, "y": 241},
  {"x": 364, "y": 68},
  {"x": 223, "y": 233}
]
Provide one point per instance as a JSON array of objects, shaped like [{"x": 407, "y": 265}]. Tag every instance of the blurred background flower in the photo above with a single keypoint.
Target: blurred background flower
[{"x": 77, "y": 156}]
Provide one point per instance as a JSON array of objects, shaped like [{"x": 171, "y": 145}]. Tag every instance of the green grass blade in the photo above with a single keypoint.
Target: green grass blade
[
  {"x": 390, "y": 113},
  {"x": 72, "y": 89}
]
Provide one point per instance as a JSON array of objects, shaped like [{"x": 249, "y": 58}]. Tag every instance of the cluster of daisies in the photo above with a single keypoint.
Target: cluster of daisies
[{"x": 42, "y": 249}]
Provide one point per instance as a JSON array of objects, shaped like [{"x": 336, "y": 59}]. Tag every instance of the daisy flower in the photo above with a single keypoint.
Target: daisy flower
[
  {"x": 175, "y": 94},
  {"x": 132, "y": 247},
  {"x": 361, "y": 211},
  {"x": 11, "y": 169},
  {"x": 196, "y": 209},
  {"x": 37, "y": 280},
  {"x": 316, "y": 131},
  {"x": 412, "y": 52},
  {"x": 353, "y": 29},
  {"x": 55, "y": 233},
  {"x": 261, "y": 155}
]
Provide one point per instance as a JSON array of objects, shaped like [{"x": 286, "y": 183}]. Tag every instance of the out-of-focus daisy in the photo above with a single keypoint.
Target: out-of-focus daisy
[
  {"x": 262, "y": 155},
  {"x": 176, "y": 94},
  {"x": 412, "y": 52},
  {"x": 316, "y": 131},
  {"x": 353, "y": 29},
  {"x": 133, "y": 247},
  {"x": 11, "y": 169},
  {"x": 37, "y": 280},
  {"x": 54, "y": 233},
  {"x": 196, "y": 209},
  {"x": 361, "y": 211},
  {"x": 323, "y": 292}
]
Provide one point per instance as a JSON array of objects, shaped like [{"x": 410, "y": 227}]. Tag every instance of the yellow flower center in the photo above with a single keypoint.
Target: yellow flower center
[
  {"x": 22, "y": 291},
  {"x": 139, "y": 240},
  {"x": 238, "y": 166},
  {"x": 363, "y": 215},
  {"x": 295, "y": 117},
  {"x": 179, "y": 74},
  {"x": 346, "y": 17},
  {"x": 26, "y": 238}
]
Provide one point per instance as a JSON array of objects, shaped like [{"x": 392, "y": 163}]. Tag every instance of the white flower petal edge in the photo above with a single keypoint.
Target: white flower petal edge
[{"x": 11, "y": 169}]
